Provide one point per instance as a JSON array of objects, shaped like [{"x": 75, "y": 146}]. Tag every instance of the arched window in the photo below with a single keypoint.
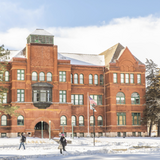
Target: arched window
[
  {"x": 100, "y": 121},
  {"x": 101, "y": 79},
  {"x": 135, "y": 99},
  {"x": 6, "y": 76},
  {"x": 20, "y": 120},
  {"x": 90, "y": 79},
  {"x": 4, "y": 120},
  {"x": 120, "y": 98},
  {"x": 41, "y": 76},
  {"x": 73, "y": 120},
  {"x": 49, "y": 76},
  {"x": 81, "y": 121},
  {"x": 34, "y": 76},
  {"x": 63, "y": 120},
  {"x": 71, "y": 78},
  {"x": 95, "y": 79},
  {"x": 75, "y": 78},
  {"x": 92, "y": 121},
  {"x": 81, "y": 81}
]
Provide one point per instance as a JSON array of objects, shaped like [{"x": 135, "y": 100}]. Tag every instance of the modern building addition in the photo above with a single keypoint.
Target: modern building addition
[{"x": 53, "y": 90}]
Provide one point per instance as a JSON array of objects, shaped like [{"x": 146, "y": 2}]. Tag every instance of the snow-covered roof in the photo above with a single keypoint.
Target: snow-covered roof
[
  {"x": 13, "y": 53},
  {"x": 41, "y": 32},
  {"x": 83, "y": 59},
  {"x": 75, "y": 59}
]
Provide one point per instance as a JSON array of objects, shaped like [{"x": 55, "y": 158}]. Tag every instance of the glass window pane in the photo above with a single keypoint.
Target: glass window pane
[
  {"x": 101, "y": 79},
  {"x": 95, "y": 79},
  {"x": 76, "y": 99},
  {"x": 90, "y": 79},
  {"x": 131, "y": 78},
  {"x": 49, "y": 76},
  {"x": 127, "y": 78},
  {"x": 122, "y": 78},
  {"x": 114, "y": 77},
  {"x": 81, "y": 78},
  {"x": 138, "y": 78}
]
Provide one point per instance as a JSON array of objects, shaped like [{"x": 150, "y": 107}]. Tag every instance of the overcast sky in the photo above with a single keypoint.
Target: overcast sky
[{"x": 85, "y": 26}]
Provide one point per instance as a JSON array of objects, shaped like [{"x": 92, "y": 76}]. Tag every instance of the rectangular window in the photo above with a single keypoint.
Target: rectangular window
[
  {"x": 92, "y": 134},
  {"x": 62, "y": 96},
  {"x": 139, "y": 78},
  {"x": 127, "y": 77},
  {"x": 114, "y": 77},
  {"x": 134, "y": 134},
  {"x": 100, "y": 134},
  {"x": 6, "y": 76},
  {"x": 121, "y": 118},
  {"x": 122, "y": 77},
  {"x": 81, "y": 134},
  {"x": 101, "y": 79},
  {"x": 36, "y": 96},
  {"x": 3, "y": 135},
  {"x": 139, "y": 134},
  {"x": 20, "y": 74},
  {"x": 62, "y": 76},
  {"x": 132, "y": 78},
  {"x": 118, "y": 134},
  {"x": 75, "y": 134},
  {"x": 3, "y": 99},
  {"x": 71, "y": 78},
  {"x": 97, "y": 99},
  {"x": 20, "y": 95},
  {"x": 77, "y": 99},
  {"x": 136, "y": 118},
  {"x": 43, "y": 96},
  {"x": 124, "y": 134}
]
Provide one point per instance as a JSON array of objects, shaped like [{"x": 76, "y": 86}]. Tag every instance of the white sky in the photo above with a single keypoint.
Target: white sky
[{"x": 140, "y": 35}]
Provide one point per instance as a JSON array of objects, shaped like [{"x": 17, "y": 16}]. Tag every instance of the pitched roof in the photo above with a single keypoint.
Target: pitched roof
[
  {"x": 41, "y": 32},
  {"x": 112, "y": 54}
]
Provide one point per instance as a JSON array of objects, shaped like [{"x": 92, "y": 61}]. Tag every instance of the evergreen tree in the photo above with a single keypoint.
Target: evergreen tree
[
  {"x": 152, "y": 96},
  {"x": 5, "y": 108}
]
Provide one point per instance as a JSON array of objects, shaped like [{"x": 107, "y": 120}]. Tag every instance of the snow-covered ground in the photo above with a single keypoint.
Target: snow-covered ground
[{"x": 129, "y": 148}]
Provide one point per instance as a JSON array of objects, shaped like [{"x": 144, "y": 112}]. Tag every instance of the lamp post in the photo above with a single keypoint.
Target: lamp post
[
  {"x": 72, "y": 130},
  {"x": 63, "y": 127},
  {"x": 93, "y": 105},
  {"x": 41, "y": 129},
  {"x": 49, "y": 130}
]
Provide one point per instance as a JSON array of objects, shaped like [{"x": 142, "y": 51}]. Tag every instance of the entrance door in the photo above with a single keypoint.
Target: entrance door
[
  {"x": 38, "y": 130},
  {"x": 38, "y": 126}
]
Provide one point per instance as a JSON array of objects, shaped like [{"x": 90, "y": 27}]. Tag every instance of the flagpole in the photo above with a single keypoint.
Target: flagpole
[{"x": 88, "y": 110}]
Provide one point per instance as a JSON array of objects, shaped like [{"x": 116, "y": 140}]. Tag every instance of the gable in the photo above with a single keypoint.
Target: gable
[{"x": 126, "y": 61}]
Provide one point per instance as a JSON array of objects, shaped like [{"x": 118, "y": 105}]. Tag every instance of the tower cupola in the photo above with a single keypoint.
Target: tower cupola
[{"x": 40, "y": 36}]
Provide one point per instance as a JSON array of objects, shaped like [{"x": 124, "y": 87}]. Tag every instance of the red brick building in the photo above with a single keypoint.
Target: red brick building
[{"x": 52, "y": 90}]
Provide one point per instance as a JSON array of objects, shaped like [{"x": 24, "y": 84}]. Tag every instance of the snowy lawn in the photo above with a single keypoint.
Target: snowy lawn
[{"x": 129, "y": 148}]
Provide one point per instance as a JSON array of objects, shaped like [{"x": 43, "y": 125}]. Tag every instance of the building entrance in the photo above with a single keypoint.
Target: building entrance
[
  {"x": 41, "y": 130},
  {"x": 39, "y": 126}
]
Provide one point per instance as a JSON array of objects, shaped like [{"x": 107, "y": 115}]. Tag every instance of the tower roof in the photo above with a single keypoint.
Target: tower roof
[{"x": 41, "y": 32}]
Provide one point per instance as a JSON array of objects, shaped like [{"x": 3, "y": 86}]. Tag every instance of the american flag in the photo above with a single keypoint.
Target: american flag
[{"x": 92, "y": 101}]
